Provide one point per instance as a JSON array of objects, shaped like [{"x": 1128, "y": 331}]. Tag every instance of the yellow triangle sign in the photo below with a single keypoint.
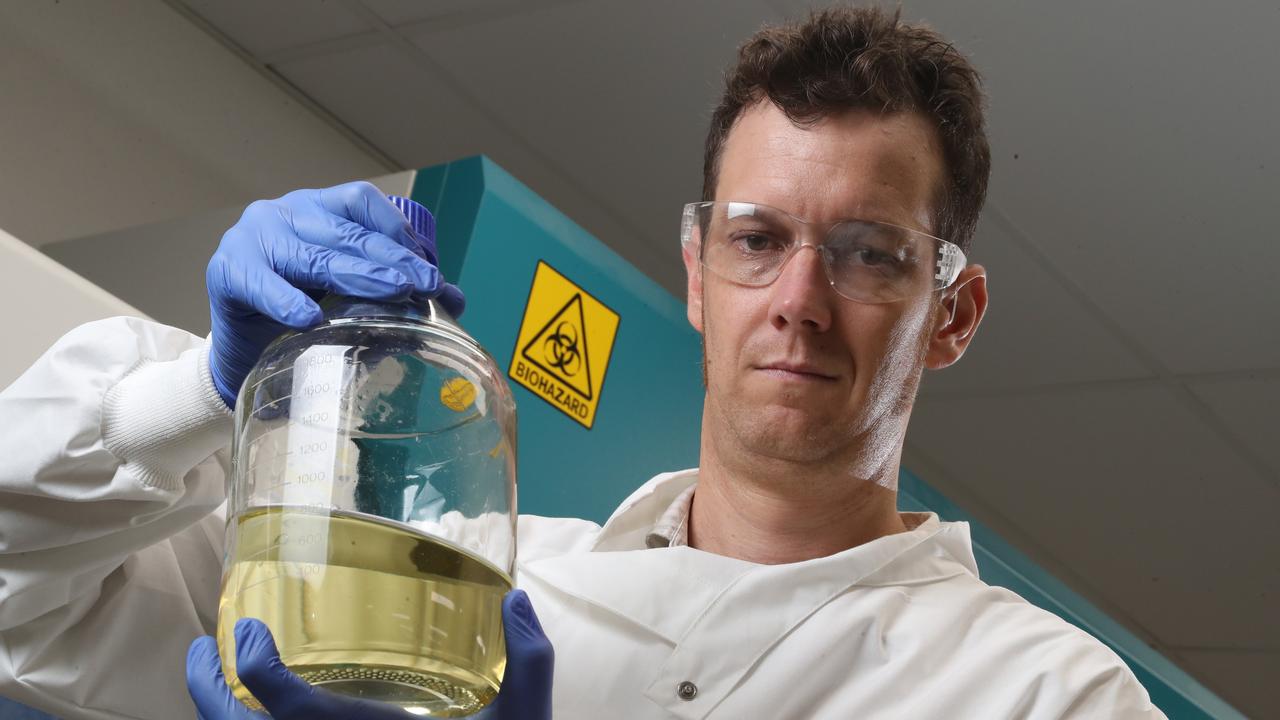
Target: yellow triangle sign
[
  {"x": 560, "y": 348},
  {"x": 563, "y": 347}
]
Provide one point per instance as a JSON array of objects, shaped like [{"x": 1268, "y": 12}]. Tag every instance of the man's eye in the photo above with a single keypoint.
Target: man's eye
[
  {"x": 871, "y": 256},
  {"x": 755, "y": 243}
]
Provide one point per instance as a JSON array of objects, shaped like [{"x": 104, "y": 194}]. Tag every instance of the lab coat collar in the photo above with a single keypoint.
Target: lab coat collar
[
  {"x": 630, "y": 525},
  {"x": 609, "y": 576}
]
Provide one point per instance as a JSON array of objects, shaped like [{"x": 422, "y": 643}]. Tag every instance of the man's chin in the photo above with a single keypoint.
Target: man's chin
[{"x": 786, "y": 434}]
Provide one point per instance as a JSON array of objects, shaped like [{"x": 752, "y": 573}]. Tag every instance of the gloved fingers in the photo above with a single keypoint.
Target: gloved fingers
[
  {"x": 259, "y": 289},
  {"x": 526, "y": 686},
  {"x": 287, "y": 696},
  {"x": 311, "y": 266},
  {"x": 338, "y": 233},
  {"x": 236, "y": 286},
  {"x": 364, "y": 204},
  {"x": 258, "y": 664},
  {"x": 207, "y": 686},
  {"x": 523, "y": 629},
  {"x": 452, "y": 299}
]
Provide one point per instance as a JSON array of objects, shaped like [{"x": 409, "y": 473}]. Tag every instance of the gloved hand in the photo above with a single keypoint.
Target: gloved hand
[
  {"x": 284, "y": 254},
  {"x": 525, "y": 694}
]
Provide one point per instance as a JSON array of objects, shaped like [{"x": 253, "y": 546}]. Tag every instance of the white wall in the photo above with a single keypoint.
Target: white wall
[
  {"x": 42, "y": 301},
  {"x": 121, "y": 113}
]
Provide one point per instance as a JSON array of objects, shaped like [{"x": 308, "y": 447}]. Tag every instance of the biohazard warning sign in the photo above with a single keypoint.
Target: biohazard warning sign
[{"x": 563, "y": 347}]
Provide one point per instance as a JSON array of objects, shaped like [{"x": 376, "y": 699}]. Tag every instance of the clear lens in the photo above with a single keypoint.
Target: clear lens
[
  {"x": 749, "y": 243},
  {"x": 878, "y": 263}
]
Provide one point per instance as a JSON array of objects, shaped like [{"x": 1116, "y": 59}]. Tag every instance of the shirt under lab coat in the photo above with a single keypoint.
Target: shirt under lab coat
[{"x": 113, "y": 459}]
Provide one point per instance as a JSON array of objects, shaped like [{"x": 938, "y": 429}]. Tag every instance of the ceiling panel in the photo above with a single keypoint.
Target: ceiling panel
[
  {"x": 268, "y": 27},
  {"x": 406, "y": 110},
  {"x": 1128, "y": 485},
  {"x": 618, "y": 101},
  {"x": 141, "y": 116},
  {"x": 384, "y": 97},
  {"x": 1034, "y": 332},
  {"x": 1249, "y": 407},
  {"x": 401, "y": 12},
  {"x": 1247, "y": 678},
  {"x": 1145, "y": 167}
]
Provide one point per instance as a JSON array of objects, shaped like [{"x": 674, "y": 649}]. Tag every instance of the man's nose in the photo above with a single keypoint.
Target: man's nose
[{"x": 802, "y": 295}]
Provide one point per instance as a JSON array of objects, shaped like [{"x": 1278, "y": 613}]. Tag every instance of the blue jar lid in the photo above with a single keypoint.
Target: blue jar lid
[{"x": 423, "y": 224}]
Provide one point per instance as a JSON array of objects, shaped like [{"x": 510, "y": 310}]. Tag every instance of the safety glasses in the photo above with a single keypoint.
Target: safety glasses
[{"x": 867, "y": 262}]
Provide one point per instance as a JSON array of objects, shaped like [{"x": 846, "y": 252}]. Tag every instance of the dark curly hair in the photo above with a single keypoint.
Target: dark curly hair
[{"x": 847, "y": 58}]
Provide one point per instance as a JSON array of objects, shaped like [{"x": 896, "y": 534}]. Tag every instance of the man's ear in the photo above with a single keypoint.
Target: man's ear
[
  {"x": 957, "y": 317},
  {"x": 693, "y": 269}
]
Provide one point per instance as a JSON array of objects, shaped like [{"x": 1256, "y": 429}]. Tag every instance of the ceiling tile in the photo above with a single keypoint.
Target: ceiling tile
[
  {"x": 407, "y": 112},
  {"x": 1130, "y": 490},
  {"x": 392, "y": 103},
  {"x": 142, "y": 117},
  {"x": 1147, "y": 173},
  {"x": 267, "y": 27},
  {"x": 1248, "y": 407},
  {"x": 402, "y": 12},
  {"x": 1247, "y": 679},
  {"x": 616, "y": 100},
  {"x": 1034, "y": 332}
]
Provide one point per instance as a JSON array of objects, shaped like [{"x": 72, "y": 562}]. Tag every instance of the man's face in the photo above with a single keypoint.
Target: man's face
[{"x": 795, "y": 371}]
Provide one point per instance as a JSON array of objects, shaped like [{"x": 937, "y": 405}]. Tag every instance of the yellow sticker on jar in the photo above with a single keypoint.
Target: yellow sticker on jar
[{"x": 457, "y": 394}]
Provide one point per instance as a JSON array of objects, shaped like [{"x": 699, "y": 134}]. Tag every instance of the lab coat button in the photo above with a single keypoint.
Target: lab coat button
[{"x": 687, "y": 690}]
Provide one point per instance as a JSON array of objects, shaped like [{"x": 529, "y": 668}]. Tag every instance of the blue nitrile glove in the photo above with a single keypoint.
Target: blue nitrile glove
[
  {"x": 525, "y": 694},
  {"x": 284, "y": 254}
]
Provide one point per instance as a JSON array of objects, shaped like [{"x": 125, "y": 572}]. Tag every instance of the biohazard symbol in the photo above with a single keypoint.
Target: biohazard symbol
[
  {"x": 562, "y": 349},
  {"x": 559, "y": 350}
]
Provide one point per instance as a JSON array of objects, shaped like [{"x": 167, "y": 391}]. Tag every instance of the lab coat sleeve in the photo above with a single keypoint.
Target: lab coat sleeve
[
  {"x": 1112, "y": 692},
  {"x": 112, "y": 468},
  {"x": 1074, "y": 676}
]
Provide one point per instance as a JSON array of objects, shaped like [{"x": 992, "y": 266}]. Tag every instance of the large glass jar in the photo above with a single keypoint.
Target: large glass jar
[{"x": 372, "y": 508}]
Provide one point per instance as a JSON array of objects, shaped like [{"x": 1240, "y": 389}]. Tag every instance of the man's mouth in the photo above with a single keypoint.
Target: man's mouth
[{"x": 797, "y": 372}]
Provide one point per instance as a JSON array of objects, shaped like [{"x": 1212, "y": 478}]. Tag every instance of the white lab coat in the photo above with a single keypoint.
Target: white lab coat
[{"x": 112, "y": 463}]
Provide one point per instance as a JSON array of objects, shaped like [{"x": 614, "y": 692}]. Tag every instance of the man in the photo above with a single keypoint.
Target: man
[{"x": 777, "y": 580}]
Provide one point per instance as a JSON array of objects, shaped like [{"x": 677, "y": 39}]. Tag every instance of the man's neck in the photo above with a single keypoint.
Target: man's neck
[{"x": 770, "y": 511}]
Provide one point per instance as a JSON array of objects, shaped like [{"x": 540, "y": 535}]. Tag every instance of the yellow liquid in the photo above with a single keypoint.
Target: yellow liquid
[{"x": 367, "y": 608}]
